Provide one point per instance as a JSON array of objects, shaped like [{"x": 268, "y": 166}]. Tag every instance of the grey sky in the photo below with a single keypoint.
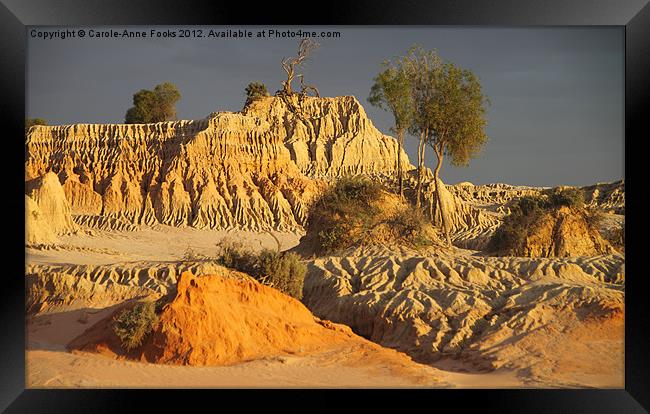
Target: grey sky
[{"x": 557, "y": 93}]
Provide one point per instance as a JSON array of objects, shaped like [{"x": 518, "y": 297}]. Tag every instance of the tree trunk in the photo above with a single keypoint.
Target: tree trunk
[
  {"x": 419, "y": 184},
  {"x": 441, "y": 206},
  {"x": 400, "y": 178},
  {"x": 421, "y": 148},
  {"x": 287, "y": 84},
  {"x": 431, "y": 215}
]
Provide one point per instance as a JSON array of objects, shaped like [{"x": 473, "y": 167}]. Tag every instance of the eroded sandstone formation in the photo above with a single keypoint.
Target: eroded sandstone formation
[
  {"x": 491, "y": 196},
  {"x": 562, "y": 233},
  {"x": 487, "y": 311},
  {"x": 252, "y": 170},
  {"x": 329, "y": 137},
  {"x": 47, "y": 211},
  {"x": 490, "y": 203},
  {"x": 607, "y": 196},
  {"x": 69, "y": 286},
  {"x": 37, "y": 230}
]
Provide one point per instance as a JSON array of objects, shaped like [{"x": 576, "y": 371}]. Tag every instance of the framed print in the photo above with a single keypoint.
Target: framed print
[{"x": 423, "y": 198}]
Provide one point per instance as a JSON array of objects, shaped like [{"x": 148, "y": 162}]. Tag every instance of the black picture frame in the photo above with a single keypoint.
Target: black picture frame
[{"x": 15, "y": 15}]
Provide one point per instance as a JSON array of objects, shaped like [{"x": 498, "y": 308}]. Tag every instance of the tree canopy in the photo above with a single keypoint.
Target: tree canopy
[
  {"x": 440, "y": 103},
  {"x": 392, "y": 91},
  {"x": 457, "y": 115},
  {"x": 158, "y": 105}
]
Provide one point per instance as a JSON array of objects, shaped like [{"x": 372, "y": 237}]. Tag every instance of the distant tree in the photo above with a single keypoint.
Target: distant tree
[
  {"x": 158, "y": 105},
  {"x": 255, "y": 90},
  {"x": 392, "y": 91},
  {"x": 455, "y": 121},
  {"x": 30, "y": 122}
]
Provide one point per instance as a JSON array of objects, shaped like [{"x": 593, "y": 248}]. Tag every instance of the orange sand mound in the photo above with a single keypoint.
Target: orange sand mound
[{"x": 217, "y": 321}]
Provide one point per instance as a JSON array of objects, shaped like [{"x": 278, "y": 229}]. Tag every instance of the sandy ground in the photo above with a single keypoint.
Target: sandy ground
[
  {"x": 50, "y": 365},
  {"x": 159, "y": 243}
]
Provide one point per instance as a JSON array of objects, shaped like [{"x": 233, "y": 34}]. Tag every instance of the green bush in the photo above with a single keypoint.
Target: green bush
[
  {"x": 333, "y": 238},
  {"x": 30, "y": 122},
  {"x": 235, "y": 256},
  {"x": 283, "y": 271},
  {"x": 132, "y": 325},
  {"x": 254, "y": 91},
  {"x": 350, "y": 213}
]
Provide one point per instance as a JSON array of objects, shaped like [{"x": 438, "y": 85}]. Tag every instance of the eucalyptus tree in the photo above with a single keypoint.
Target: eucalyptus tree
[
  {"x": 456, "y": 121},
  {"x": 422, "y": 68},
  {"x": 391, "y": 91}
]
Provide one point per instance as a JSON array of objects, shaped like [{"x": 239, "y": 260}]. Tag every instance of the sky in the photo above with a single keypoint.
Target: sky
[{"x": 556, "y": 115}]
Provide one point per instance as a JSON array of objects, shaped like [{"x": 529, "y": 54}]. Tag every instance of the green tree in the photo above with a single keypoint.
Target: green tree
[
  {"x": 158, "y": 105},
  {"x": 422, "y": 68},
  {"x": 455, "y": 122},
  {"x": 392, "y": 91},
  {"x": 255, "y": 90},
  {"x": 30, "y": 122}
]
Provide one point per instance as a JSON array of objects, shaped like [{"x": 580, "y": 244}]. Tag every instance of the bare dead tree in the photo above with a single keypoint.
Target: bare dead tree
[
  {"x": 304, "y": 89},
  {"x": 290, "y": 64}
]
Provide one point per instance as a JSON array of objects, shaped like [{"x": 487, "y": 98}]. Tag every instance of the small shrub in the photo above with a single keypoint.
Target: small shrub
[
  {"x": 525, "y": 215},
  {"x": 234, "y": 255},
  {"x": 411, "y": 226},
  {"x": 30, "y": 122},
  {"x": 345, "y": 213},
  {"x": 132, "y": 325},
  {"x": 192, "y": 256},
  {"x": 332, "y": 238},
  {"x": 254, "y": 91},
  {"x": 569, "y": 197},
  {"x": 529, "y": 205},
  {"x": 283, "y": 271}
]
